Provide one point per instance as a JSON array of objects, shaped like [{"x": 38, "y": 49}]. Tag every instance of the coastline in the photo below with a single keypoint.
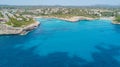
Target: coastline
[
  {"x": 115, "y": 22},
  {"x": 9, "y": 30},
  {"x": 71, "y": 19},
  {"x": 29, "y": 28},
  {"x": 79, "y": 18}
]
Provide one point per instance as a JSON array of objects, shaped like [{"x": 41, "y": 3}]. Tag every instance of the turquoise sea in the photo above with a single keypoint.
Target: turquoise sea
[{"x": 59, "y": 43}]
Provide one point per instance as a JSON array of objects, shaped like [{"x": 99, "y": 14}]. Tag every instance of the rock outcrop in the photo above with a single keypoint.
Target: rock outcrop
[{"x": 6, "y": 29}]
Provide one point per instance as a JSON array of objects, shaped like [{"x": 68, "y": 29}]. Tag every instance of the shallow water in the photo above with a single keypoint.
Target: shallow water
[{"x": 58, "y": 43}]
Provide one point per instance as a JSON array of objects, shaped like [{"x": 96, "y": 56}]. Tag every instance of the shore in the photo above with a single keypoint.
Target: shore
[
  {"x": 115, "y": 22},
  {"x": 6, "y": 29},
  {"x": 71, "y": 19},
  {"x": 79, "y": 18}
]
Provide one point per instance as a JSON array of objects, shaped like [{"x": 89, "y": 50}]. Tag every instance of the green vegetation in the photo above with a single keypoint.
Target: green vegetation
[
  {"x": 117, "y": 18},
  {"x": 71, "y": 15},
  {"x": 1, "y": 16},
  {"x": 61, "y": 12},
  {"x": 59, "y": 15},
  {"x": 21, "y": 16},
  {"x": 19, "y": 23},
  {"x": 107, "y": 14}
]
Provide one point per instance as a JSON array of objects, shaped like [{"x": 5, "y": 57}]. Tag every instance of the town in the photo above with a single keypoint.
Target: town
[
  {"x": 21, "y": 16},
  {"x": 10, "y": 17}
]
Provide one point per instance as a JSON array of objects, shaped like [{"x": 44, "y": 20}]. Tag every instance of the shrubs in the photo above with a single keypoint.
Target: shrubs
[
  {"x": 19, "y": 23},
  {"x": 1, "y": 16},
  {"x": 117, "y": 19}
]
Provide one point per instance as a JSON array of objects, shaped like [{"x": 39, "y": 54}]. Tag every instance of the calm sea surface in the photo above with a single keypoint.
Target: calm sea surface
[{"x": 58, "y": 43}]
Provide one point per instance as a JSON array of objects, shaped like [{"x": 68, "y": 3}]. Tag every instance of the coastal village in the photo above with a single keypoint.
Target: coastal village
[
  {"x": 6, "y": 16},
  {"x": 59, "y": 33},
  {"x": 27, "y": 13},
  {"x": 20, "y": 17}
]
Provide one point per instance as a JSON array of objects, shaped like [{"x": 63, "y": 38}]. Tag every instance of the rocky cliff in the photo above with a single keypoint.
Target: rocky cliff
[{"x": 6, "y": 29}]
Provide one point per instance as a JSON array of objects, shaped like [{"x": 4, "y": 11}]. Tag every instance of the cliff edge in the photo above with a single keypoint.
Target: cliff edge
[{"x": 6, "y": 29}]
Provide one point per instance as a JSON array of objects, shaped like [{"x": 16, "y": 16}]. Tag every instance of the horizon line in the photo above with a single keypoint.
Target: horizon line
[{"x": 60, "y": 5}]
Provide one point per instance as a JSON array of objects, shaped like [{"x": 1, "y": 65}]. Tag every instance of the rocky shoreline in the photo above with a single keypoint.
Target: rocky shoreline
[
  {"x": 115, "y": 22},
  {"x": 6, "y": 29},
  {"x": 9, "y": 30}
]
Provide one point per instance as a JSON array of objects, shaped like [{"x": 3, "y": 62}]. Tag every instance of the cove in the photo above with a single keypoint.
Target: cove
[{"x": 59, "y": 43}]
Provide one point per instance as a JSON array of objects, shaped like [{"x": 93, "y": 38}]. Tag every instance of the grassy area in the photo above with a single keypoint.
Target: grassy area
[
  {"x": 21, "y": 23},
  {"x": 70, "y": 15},
  {"x": 117, "y": 19},
  {"x": 59, "y": 15},
  {"x": 1, "y": 16}
]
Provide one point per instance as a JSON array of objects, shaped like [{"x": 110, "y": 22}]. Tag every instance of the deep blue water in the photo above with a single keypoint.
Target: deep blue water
[{"x": 58, "y": 43}]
